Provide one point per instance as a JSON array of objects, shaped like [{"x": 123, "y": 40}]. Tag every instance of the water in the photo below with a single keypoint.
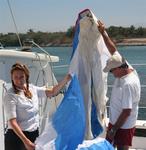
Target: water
[{"x": 136, "y": 55}]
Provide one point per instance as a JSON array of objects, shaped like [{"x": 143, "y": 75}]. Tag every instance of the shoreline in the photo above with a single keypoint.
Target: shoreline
[
  {"x": 122, "y": 42},
  {"x": 131, "y": 42}
]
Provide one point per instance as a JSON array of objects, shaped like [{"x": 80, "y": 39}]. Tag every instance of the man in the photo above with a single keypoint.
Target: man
[{"x": 124, "y": 99}]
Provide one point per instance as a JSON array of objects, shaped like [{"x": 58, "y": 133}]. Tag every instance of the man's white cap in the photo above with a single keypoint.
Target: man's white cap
[{"x": 113, "y": 62}]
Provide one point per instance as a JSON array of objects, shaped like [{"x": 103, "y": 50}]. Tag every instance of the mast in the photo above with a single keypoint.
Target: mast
[{"x": 13, "y": 18}]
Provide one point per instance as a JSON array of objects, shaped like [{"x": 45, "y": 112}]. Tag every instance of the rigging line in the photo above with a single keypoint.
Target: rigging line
[
  {"x": 43, "y": 72},
  {"x": 47, "y": 54},
  {"x": 14, "y": 23},
  {"x": 5, "y": 122},
  {"x": 60, "y": 66},
  {"x": 49, "y": 63}
]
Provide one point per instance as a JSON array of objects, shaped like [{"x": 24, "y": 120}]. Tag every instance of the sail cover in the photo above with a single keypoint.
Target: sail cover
[{"x": 87, "y": 62}]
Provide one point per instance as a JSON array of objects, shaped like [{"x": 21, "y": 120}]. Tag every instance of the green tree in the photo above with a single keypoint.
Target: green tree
[{"x": 70, "y": 32}]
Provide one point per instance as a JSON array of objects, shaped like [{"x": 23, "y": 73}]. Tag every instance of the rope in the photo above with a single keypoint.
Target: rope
[{"x": 48, "y": 63}]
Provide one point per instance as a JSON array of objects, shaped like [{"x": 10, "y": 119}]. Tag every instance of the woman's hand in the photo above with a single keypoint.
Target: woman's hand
[
  {"x": 16, "y": 128},
  {"x": 29, "y": 145},
  {"x": 56, "y": 89}
]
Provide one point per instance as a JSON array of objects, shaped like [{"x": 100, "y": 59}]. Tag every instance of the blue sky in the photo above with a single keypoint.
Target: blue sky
[{"x": 59, "y": 15}]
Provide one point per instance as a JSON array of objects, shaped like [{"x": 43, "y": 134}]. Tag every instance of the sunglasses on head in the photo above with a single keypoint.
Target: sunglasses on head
[
  {"x": 125, "y": 65},
  {"x": 17, "y": 65},
  {"x": 113, "y": 69}
]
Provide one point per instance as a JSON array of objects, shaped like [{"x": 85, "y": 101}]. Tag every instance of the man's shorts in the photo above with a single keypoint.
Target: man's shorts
[{"x": 123, "y": 137}]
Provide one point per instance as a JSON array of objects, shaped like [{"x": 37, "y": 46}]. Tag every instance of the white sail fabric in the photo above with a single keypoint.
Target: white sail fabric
[
  {"x": 88, "y": 60},
  {"x": 96, "y": 144}
]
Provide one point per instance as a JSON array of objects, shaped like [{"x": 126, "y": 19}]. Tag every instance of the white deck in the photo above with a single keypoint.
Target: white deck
[{"x": 139, "y": 143}]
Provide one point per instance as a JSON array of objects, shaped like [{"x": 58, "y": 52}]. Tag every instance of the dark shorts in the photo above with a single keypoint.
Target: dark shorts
[
  {"x": 123, "y": 137},
  {"x": 13, "y": 142}
]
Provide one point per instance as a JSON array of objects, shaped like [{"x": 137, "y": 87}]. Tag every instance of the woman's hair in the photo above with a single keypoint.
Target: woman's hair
[{"x": 19, "y": 66}]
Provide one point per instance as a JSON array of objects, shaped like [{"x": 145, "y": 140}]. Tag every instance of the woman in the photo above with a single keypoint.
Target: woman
[{"x": 21, "y": 107}]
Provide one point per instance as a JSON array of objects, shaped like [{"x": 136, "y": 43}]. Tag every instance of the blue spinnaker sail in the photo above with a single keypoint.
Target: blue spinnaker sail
[
  {"x": 67, "y": 127},
  {"x": 69, "y": 119}
]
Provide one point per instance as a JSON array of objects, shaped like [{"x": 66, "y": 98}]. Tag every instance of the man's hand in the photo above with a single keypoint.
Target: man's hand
[
  {"x": 108, "y": 42},
  {"x": 111, "y": 134},
  {"x": 101, "y": 27}
]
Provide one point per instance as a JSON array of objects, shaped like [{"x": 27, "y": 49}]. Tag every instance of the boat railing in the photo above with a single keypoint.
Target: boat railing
[{"x": 137, "y": 66}]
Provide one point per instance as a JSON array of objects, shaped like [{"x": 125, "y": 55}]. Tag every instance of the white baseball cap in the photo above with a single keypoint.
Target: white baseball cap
[{"x": 114, "y": 61}]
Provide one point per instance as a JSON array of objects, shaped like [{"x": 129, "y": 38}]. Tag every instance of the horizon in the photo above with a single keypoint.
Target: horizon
[
  {"x": 54, "y": 16},
  {"x": 62, "y": 31}
]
